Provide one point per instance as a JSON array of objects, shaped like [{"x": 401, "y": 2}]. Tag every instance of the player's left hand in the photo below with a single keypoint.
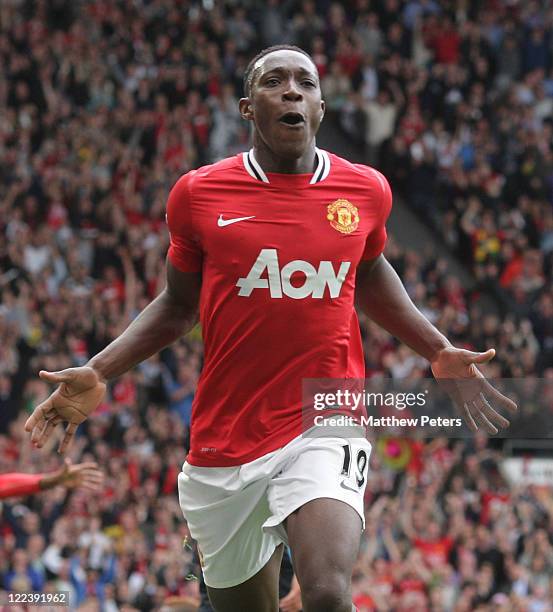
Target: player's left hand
[{"x": 456, "y": 371}]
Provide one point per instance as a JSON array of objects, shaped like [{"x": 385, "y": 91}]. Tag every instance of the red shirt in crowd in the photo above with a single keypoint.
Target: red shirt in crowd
[
  {"x": 446, "y": 44},
  {"x": 434, "y": 552},
  {"x": 488, "y": 500},
  {"x": 364, "y": 603}
]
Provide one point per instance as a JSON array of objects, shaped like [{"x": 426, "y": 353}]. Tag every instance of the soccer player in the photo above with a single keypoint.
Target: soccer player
[{"x": 273, "y": 246}]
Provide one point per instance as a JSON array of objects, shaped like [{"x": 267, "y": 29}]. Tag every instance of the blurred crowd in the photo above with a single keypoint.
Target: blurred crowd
[
  {"x": 454, "y": 102},
  {"x": 449, "y": 534},
  {"x": 126, "y": 548},
  {"x": 104, "y": 104},
  {"x": 445, "y": 531}
]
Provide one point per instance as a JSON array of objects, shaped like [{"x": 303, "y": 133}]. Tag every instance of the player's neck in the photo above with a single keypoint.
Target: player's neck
[{"x": 273, "y": 163}]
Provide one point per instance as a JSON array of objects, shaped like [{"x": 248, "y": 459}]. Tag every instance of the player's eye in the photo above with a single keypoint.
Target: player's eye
[
  {"x": 308, "y": 83},
  {"x": 272, "y": 82}
]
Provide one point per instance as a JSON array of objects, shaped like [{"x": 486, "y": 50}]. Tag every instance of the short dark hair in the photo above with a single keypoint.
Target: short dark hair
[{"x": 248, "y": 75}]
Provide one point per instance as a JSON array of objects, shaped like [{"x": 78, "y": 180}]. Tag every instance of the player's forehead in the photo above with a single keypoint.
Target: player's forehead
[{"x": 286, "y": 60}]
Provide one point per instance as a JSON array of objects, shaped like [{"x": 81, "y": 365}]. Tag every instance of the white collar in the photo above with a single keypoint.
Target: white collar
[{"x": 256, "y": 171}]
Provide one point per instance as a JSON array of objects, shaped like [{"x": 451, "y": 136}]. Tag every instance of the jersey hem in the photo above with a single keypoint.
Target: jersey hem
[{"x": 201, "y": 460}]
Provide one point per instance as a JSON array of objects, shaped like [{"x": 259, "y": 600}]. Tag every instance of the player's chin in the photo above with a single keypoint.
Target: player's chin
[{"x": 291, "y": 148}]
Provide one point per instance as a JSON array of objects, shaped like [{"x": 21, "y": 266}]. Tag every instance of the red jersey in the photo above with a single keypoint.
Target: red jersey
[{"x": 278, "y": 255}]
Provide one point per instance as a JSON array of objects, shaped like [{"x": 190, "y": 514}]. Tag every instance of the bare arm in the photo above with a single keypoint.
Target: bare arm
[
  {"x": 173, "y": 313},
  {"x": 80, "y": 390},
  {"x": 382, "y": 296}
]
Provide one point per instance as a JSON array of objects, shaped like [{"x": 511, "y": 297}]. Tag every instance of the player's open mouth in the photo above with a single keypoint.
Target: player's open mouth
[{"x": 292, "y": 119}]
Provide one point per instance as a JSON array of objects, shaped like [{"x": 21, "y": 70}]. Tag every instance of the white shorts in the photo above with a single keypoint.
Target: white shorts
[{"x": 236, "y": 513}]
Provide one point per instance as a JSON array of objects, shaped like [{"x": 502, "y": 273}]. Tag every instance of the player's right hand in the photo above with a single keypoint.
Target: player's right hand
[{"x": 79, "y": 392}]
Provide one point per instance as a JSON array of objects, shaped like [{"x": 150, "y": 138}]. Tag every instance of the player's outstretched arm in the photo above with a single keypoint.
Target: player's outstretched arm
[
  {"x": 382, "y": 296},
  {"x": 80, "y": 390}
]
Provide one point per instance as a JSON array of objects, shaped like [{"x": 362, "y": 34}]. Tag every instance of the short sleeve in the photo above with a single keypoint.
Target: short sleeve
[
  {"x": 376, "y": 240},
  {"x": 184, "y": 248},
  {"x": 13, "y": 485}
]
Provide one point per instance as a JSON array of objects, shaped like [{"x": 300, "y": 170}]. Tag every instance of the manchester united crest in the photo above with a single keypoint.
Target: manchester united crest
[{"x": 343, "y": 216}]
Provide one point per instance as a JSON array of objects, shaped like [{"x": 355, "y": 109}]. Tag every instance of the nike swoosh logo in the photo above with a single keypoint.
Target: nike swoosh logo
[
  {"x": 345, "y": 486},
  {"x": 224, "y": 222}
]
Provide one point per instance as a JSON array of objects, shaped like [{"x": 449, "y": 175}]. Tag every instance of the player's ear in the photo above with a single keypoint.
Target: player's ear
[
  {"x": 246, "y": 109},
  {"x": 322, "y": 113}
]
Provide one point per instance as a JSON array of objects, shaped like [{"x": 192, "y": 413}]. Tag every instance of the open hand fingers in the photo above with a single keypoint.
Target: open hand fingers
[
  {"x": 498, "y": 397},
  {"x": 94, "y": 474},
  {"x": 482, "y": 419},
  {"x": 468, "y": 417},
  {"x": 68, "y": 437},
  {"x": 497, "y": 419},
  {"x": 90, "y": 486},
  {"x": 64, "y": 376},
  {"x": 470, "y": 357},
  {"x": 38, "y": 417},
  {"x": 39, "y": 427},
  {"x": 95, "y": 479},
  {"x": 91, "y": 482},
  {"x": 479, "y": 412},
  {"x": 47, "y": 431},
  {"x": 87, "y": 465},
  {"x": 42, "y": 422},
  {"x": 475, "y": 397},
  {"x": 89, "y": 477},
  {"x": 37, "y": 431}
]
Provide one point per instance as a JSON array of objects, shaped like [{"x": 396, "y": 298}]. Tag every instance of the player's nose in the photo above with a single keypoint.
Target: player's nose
[{"x": 292, "y": 91}]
